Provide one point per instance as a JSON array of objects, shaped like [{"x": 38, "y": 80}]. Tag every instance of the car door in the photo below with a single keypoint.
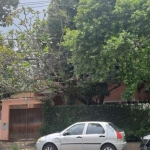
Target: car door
[
  {"x": 94, "y": 136},
  {"x": 71, "y": 139}
]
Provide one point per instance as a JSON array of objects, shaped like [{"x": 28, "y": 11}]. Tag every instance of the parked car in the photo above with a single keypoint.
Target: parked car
[
  {"x": 145, "y": 142},
  {"x": 85, "y": 136}
]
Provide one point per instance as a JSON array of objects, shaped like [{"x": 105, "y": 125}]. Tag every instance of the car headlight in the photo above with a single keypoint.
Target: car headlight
[{"x": 41, "y": 139}]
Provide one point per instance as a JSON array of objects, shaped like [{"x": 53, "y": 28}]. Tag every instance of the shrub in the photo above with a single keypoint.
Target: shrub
[{"x": 133, "y": 120}]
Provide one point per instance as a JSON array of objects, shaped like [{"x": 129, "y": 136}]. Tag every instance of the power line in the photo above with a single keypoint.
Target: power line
[
  {"x": 35, "y": 2},
  {"x": 32, "y": 5},
  {"x": 40, "y": 6},
  {"x": 15, "y": 39}
]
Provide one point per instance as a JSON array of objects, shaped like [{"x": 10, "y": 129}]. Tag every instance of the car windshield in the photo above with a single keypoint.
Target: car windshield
[{"x": 115, "y": 127}]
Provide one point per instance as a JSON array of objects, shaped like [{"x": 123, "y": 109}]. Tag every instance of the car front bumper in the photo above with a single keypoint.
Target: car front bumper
[{"x": 39, "y": 145}]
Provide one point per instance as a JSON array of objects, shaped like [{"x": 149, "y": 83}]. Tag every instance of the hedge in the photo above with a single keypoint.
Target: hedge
[{"x": 133, "y": 120}]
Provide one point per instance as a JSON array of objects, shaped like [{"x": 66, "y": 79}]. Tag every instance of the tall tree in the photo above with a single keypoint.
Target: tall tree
[
  {"x": 11, "y": 71},
  {"x": 60, "y": 15},
  {"x": 45, "y": 62},
  {"x": 111, "y": 42},
  {"x": 6, "y": 6},
  {"x": 22, "y": 55}
]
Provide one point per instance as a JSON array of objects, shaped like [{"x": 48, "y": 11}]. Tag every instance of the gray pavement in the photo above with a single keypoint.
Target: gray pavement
[
  {"x": 133, "y": 146},
  {"x": 30, "y": 145}
]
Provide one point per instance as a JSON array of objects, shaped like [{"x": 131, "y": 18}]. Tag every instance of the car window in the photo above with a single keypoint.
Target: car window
[
  {"x": 115, "y": 127},
  {"x": 76, "y": 129},
  {"x": 95, "y": 128}
]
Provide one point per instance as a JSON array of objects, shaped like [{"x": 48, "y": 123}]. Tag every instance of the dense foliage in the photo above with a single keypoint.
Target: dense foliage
[
  {"x": 6, "y": 6},
  {"x": 60, "y": 16},
  {"x": 131, "y": 119},
  {"x": 111, "y": 42},
  {"x": 11, "y": 71},
  {"x": 83, "y": 46},
  {"x": 20, "y": 53}
]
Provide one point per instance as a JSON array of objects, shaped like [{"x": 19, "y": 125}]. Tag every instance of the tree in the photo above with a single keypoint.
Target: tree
[
  {"x": 45, "y": 58},
  {"x": 60, "y": 16},
  {"x": 11, "y": 72},
  {"x": 111, "y": 42},
  {"x": 26, "y": 54},
  {"x": 20, "y": 52},
  {"x": 6, "y": 6},
  {"x": 85, "y": 44},
  {"x": 45, "y": 62},
  {"x": 133, "y": 38},
  {"x": 102, "y": 44}
]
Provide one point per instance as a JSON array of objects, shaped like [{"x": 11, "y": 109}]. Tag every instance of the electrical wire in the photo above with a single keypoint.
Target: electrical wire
[
  {"x": 38, "y": 6},
  {"x": 35, "y": 2}
]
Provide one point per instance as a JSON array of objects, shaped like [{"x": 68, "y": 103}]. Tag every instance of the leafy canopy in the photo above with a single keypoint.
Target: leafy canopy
[
  {"x": 6, "y": 6},
  {"x": 111, "y": 42}
]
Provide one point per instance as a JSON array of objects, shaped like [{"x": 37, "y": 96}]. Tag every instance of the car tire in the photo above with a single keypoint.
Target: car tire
[
  {"x": 49, "y": 147},
  {"x": 108, "y": 147}
]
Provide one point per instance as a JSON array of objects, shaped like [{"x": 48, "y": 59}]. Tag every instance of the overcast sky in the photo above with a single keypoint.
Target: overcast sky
[{"x": 35, "y": 4}]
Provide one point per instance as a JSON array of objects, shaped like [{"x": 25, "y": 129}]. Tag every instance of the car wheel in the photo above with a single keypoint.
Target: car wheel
[
  {"x": 108, "y": 147},
  {"x": 49, "y": 147}
]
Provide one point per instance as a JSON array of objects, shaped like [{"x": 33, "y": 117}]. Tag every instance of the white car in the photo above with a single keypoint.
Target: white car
[{"x": 85, "y": 136}]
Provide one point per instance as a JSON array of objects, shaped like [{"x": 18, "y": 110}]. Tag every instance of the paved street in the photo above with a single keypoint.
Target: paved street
[{"x": 30, "y": 145}]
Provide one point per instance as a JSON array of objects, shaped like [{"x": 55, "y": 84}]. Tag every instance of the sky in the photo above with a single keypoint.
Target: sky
[{"x": 35, "y": 4}]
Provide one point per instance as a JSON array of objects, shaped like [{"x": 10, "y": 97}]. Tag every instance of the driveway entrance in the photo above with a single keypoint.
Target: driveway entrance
[{"x": 25, "y": 123}]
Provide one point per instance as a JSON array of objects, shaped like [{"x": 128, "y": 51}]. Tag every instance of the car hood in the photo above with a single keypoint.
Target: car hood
[
  {"x": 53, "y": 135},
  {"x": 147, "y": 137},
  {"x": 49, "y": 137}
]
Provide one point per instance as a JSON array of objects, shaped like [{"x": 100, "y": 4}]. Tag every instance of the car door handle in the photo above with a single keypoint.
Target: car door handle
[
  {"x": 79, "y": 137},
  {"x": 101, "y": 136}
]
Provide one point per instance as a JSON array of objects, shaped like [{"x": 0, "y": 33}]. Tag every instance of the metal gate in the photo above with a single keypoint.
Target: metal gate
[{"x": 25, "y": 123}]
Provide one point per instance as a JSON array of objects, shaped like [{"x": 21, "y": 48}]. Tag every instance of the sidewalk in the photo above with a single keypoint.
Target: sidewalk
[
  {"x": 133, "y": 146},
  {"x": 20, "y": 145},
  {"x": 30, "y": 145}
]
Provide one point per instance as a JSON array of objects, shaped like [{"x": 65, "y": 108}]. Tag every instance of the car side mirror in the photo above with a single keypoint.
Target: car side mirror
[{"x": 66, "y": 133}]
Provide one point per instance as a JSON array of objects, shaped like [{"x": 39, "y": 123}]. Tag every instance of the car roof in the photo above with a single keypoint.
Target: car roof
[{"x": 102, "y": 122}]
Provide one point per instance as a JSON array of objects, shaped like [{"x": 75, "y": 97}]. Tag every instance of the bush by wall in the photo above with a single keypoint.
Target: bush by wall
[{"x": 133, "y": 120}]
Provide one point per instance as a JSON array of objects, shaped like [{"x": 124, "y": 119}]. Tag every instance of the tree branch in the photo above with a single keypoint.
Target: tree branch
[{"x": 114, "y": 87}]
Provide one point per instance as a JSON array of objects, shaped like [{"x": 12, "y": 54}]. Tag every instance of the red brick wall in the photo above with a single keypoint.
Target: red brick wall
[{"x": 115, "y": 95}]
